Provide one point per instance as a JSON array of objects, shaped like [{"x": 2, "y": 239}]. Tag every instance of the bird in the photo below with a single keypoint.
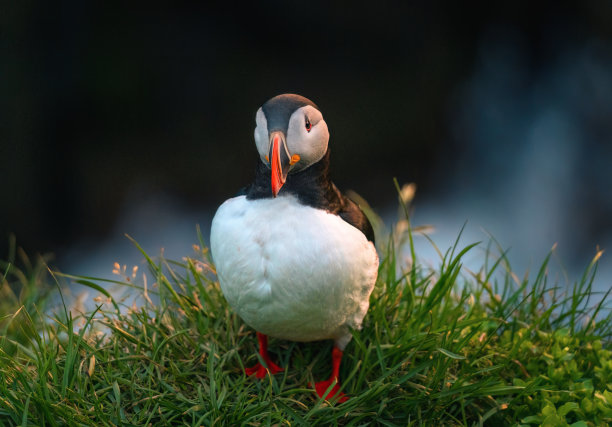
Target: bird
[{"x": 295, "y": 258}]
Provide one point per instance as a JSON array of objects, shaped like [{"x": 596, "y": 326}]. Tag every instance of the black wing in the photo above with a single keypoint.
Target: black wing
[{"x": 352, "y": 214}]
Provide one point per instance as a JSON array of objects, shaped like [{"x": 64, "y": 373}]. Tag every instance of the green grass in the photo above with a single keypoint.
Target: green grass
[{"x": 439, "y": 346}]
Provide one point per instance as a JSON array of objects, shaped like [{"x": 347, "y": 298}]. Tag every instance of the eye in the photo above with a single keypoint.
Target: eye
[{"x": 308, "y": 125}]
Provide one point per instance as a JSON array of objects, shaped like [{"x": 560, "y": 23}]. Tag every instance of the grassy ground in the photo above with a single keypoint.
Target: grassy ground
[{"x": 439, "y": 347}]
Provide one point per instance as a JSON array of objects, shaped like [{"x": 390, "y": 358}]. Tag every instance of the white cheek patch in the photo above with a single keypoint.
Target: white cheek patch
[
  {"x": 310, "y": 146},
  {"x": 261, "y": 134}
]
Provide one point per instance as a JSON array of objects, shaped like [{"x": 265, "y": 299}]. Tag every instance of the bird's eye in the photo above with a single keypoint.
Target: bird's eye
[{"x": 308, "y": 125}]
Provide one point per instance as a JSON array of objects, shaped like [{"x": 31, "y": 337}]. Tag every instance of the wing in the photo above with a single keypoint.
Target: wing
[
  {"x": 349, "y": 211},
  {"x": 352, "y": 214}
]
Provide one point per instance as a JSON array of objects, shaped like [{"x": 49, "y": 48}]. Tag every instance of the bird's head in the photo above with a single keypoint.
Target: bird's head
[{"x": 290, "y": 136}]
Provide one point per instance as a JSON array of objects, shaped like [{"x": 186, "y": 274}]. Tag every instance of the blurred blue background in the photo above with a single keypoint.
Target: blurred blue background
[{"x": 123, "y": 119}]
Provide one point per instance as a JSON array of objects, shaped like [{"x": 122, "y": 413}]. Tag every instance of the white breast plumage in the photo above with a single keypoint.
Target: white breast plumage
[{"x": 292, "y": 271}]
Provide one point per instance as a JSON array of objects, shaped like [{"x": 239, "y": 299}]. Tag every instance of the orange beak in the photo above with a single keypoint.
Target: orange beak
[{"x": 279, "y": 161}]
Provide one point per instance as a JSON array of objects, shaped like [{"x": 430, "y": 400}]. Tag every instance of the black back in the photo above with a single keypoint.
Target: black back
[{"x": 312, "y": 187}]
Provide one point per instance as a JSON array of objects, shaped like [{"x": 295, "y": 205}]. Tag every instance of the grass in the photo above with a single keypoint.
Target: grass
[{"x": 439, "y": 346}]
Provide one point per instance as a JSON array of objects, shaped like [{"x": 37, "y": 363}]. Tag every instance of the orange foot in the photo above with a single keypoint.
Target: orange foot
[
  {"x": 335, "y": 393},
  {"x": 322, "y": 386},
  {"x": 260, "y": 371}
]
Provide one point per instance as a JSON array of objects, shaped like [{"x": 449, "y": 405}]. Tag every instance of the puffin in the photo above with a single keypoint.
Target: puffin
[{"x": 295, "y": 258}]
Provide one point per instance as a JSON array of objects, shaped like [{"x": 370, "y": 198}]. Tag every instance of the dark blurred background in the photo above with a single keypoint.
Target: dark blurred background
[{"x": 501, "y": 112}]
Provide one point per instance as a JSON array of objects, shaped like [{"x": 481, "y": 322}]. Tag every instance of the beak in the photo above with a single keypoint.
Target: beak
[{"x": 280, "y": 160}]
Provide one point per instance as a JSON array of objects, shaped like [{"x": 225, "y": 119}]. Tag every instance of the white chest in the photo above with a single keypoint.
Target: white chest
[{"x": 292, "y": 271}]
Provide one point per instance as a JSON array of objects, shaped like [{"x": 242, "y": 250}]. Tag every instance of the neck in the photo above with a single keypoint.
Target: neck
[{"x": 312, "y": 186}]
